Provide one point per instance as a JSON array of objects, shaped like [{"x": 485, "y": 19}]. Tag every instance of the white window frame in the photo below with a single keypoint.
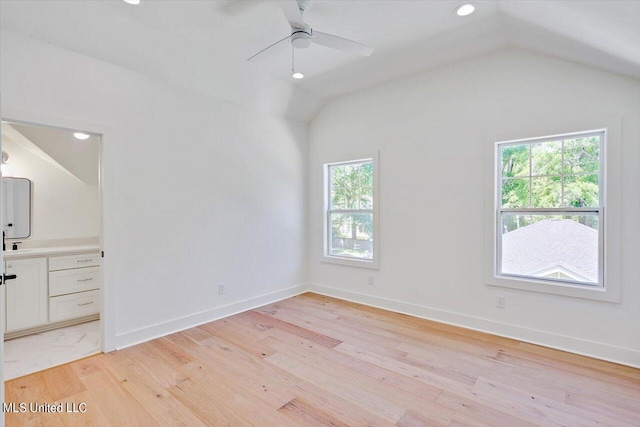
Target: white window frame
[
  {"x": 599, "y": 210},
  {"x": 349, "y": 261},
  {"x": 610, "y": 199}
]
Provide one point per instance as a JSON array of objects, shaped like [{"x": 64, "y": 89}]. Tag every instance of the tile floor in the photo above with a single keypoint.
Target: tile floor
[{"x": 36, "y": 352}]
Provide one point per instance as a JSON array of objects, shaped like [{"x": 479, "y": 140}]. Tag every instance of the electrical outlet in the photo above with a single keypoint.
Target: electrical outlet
[
  {"x": 221, "y": 288},
  {"x": 500, "y": 301},
  {"x": 371, "y": 281}
]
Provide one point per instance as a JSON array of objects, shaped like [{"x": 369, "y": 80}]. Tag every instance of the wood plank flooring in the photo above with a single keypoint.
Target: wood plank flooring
[{"x": 313, "y": 360}]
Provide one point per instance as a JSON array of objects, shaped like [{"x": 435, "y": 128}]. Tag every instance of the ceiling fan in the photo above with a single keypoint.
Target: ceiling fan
[{"x": 302, "y": 35}]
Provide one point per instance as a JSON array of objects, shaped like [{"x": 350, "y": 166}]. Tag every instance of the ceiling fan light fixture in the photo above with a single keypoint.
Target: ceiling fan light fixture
[
  {"x": 466, "y": 9},
  {"x": 297, "y": 75},
  {"x": 301, "y": 39}
]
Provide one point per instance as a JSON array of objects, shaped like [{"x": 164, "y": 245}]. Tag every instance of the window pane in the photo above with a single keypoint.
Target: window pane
[
  {"x": 546, "y": 192},
  {"x": 351, "y": 186},
  {"x": 561, "y": 247},
  {"x": 581, "y": 191},
  {"x": 515, "y": 193},
  {"x": 351, "y": 235},
  {"x": 582, "y": 155},
  {"x": 546, "y": 158},
  {"x": 515, "y": 160}
]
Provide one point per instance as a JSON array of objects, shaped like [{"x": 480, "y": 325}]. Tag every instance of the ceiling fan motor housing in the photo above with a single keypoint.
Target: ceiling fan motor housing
[{"x": 301, "y": 38}]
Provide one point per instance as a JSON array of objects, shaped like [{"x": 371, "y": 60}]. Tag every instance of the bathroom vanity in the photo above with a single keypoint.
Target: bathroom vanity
[{"x": 54, "y": 287}]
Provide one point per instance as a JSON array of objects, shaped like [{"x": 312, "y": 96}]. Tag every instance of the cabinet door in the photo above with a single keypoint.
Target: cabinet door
[{"x": 27, "y": 296}]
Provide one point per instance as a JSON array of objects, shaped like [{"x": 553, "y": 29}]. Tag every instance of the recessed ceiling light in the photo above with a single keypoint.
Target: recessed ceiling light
[
  {"x": 132, "y": 1},
  {"x": 297, "y": 75},
  {"x": 466, "y": 9},
  {"x": 81, "y": 135}
]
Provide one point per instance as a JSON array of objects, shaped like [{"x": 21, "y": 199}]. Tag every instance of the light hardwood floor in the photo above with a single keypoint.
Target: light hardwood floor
[{"x": 313, "y": 360}]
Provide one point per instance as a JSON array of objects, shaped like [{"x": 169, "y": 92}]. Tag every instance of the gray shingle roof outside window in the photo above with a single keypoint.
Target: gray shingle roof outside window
[{"x": 549, "y": 244}]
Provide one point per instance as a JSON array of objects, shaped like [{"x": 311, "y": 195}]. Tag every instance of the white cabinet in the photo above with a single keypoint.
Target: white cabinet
[
  {"x": 74, "y": 286},
  {"x": 27, "y": 296},
  {"x": 52, "y": 289}
]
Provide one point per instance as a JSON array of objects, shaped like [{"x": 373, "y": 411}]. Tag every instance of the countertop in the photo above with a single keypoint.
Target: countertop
[{"x": 53, "y": 250}]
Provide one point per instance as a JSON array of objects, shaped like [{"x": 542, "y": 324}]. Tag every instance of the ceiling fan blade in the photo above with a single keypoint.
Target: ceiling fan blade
[
  {"x": 254, "y": 57},
  {"x": 340, "y": 43},
  {"x": 292, "y": 12}
]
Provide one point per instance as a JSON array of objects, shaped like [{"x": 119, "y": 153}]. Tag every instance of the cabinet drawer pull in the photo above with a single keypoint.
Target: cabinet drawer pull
[
  {"x": 85, "y": 280},
  {"x": 85, "y": 260},
  {"x": 85, "y": 303}
]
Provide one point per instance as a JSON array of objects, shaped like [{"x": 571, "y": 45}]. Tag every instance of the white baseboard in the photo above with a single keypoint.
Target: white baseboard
[
  {"x": 624, "y": 356},
  {"x": 158, "y": 330},
  {"x": 597, "y": 350}
]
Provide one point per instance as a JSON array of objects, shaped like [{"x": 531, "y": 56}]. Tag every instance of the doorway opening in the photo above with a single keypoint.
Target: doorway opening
[{"x": 52, "y": 243}]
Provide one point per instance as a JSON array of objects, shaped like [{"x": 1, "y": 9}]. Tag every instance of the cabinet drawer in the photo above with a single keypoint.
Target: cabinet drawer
[
  {"x": 74, "y": 261},
  {"x": 70, "y": 306},
  {"x": 76, "y": 280}
]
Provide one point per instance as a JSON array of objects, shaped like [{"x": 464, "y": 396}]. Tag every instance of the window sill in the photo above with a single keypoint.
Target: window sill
[
  {"x": 576, "y": 291},
  {"x": 351, "y": 262}
]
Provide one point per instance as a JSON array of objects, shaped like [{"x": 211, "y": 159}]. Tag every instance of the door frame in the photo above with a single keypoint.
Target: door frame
[
  {"x": 2, "y": 315},
  {"x": 107, "y": 272}
]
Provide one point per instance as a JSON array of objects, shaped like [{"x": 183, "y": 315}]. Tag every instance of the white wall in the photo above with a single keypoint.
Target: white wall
[
  {"x": 431, "y": 131},
  {"x": 63, "y": 207},
  {"x": 197, "y": 190}
]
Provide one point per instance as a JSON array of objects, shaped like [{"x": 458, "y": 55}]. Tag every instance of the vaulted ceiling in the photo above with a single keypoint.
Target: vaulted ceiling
[{"x": 204, "y": 45}]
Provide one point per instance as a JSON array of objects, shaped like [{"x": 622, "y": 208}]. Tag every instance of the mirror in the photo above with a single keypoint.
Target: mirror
[{"x": 16, "y": 207}]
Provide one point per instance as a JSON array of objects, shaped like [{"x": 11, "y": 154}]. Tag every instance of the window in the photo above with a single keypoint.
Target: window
[
  {"x": 549, "y": 213},
  {"x": 350, "y": 213}
]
